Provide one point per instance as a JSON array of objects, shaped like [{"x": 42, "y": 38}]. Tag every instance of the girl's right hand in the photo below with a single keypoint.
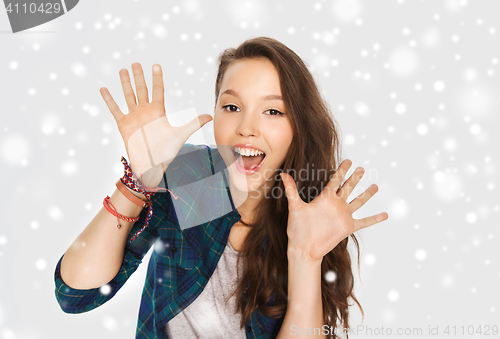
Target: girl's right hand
[{"x": 150, "y": 141}]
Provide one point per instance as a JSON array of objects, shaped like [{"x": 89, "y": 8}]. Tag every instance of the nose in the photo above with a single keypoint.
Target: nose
[{"x": 247, "y": 126}]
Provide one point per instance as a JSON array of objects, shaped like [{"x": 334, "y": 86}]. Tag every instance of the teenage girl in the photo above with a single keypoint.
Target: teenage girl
[{"x": 276, "y": 264}]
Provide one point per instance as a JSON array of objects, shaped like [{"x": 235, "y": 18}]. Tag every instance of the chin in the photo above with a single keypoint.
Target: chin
[{"x": 243, "y": 182}]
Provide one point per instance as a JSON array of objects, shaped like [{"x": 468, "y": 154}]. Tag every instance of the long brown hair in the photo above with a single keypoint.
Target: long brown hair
[{"x": 316, "y": 146}]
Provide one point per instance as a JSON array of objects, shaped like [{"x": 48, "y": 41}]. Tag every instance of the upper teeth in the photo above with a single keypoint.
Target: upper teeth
[{"x": 247, "y": 151}]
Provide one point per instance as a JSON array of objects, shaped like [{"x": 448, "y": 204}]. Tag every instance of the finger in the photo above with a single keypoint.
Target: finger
[
  {"x": 113, "y": 107},
  {"x": 188, "y": 129},
  {"x": 348, "y": 186},
  {"x": 368, "y": 221},
  {"x": 333, "y": 185},
  {"x": 158, "y": 88},
  {"x": 361, "y": 199},
  {"x": 127, "y": 89},
  {"x": 290, "y": 189},
  {"x": 140, "y": 83}
]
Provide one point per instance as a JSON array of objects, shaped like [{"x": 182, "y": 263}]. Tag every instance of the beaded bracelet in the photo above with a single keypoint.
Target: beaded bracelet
[
  {"x": 113, "y": 211},
  {"x": 133, "y": 183}
]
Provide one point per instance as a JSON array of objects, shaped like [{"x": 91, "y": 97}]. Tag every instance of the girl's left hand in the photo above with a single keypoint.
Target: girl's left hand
[{"x": 317, "y": 227}]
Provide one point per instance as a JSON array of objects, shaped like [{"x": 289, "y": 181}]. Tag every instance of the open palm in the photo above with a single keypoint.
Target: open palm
[
  {"x": 317, "y": 227},
  {"x": 149, "y": 138}
]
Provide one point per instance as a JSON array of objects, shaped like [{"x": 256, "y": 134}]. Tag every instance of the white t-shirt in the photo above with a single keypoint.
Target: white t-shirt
[{"x": 208, "y": 316}]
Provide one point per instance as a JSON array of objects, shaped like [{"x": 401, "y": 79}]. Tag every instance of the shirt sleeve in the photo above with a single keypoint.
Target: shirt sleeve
[{"x": 78, "y": 301}]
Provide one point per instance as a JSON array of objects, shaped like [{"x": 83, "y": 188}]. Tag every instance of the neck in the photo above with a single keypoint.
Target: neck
[
  {"x": 247, "y": 210},
  {"x": 246, "y": 202}
]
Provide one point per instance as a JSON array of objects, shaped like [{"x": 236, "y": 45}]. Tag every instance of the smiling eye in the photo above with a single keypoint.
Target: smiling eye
[
  {"x": 275, "y": 112},
  {"x": 223, "y": 107}
]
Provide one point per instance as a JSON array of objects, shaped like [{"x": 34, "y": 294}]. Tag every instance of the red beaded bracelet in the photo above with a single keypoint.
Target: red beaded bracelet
[{"x": 118, "y": 216}]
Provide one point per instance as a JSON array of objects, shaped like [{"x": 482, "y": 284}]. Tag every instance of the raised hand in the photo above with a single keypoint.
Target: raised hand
[
  {"x": 317, "y": 227},
  {"x": 150, "y": 141}
]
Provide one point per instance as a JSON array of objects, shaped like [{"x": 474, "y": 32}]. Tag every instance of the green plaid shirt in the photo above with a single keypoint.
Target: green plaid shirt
[{"x": 185, "y": 253}]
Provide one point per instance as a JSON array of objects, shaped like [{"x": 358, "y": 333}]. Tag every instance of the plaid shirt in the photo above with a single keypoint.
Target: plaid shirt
[{"x": 184, "y": 257}]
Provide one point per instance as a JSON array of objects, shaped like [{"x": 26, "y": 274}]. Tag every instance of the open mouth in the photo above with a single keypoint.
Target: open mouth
[{"x": 248, "y": 160}]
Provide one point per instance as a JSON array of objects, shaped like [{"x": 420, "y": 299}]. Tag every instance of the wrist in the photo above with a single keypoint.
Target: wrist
[
  {"x": 150, "y": 178},
  {"x": 137, "y": 198},
  {"x": 299, "y": 255}
]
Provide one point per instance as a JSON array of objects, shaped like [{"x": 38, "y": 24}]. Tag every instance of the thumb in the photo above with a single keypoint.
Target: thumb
[
  {"x": 291, "y": 190},
  {"x": 194, "y": 125}
]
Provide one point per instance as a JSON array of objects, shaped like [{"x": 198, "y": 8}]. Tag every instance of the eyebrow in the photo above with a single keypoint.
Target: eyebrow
[{"x": 267, "y": 97}]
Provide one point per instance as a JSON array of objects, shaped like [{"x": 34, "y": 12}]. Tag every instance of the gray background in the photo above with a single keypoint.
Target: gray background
[{"x": 413, "y": 84}]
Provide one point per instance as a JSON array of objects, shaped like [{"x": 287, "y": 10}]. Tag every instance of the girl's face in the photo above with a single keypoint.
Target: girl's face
[{"x": 250, "y": 118}]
